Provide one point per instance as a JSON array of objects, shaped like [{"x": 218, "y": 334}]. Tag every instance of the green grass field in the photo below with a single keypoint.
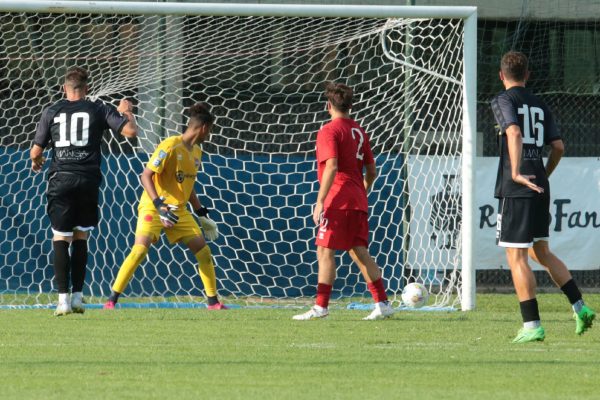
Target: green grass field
[{"x": 263, "y": 354}]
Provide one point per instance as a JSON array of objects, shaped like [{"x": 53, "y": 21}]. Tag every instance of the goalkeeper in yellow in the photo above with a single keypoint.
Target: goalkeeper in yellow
[{"x": 168, "y": 181}]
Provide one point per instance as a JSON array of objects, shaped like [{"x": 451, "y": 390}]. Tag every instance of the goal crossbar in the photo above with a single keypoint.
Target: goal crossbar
[{"x": 239, "y": 9}]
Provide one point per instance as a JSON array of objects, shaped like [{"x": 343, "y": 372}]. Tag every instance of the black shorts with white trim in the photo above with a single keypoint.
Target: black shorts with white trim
[{"x": 523, "y": 221}]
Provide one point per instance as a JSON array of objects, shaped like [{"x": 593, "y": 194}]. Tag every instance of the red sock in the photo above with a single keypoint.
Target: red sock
[
  {"x": 323, "y": 294},
  {"x": 377, "y": 290}
]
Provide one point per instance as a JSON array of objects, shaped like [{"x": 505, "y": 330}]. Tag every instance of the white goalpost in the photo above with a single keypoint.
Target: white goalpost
[{"x": 263, "y": 68}]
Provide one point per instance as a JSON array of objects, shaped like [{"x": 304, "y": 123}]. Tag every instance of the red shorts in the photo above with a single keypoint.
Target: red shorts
[{"x": 343, "y": 229}]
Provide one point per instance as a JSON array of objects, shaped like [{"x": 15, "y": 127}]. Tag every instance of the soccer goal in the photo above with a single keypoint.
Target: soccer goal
[{"x": 263, "y": 68}]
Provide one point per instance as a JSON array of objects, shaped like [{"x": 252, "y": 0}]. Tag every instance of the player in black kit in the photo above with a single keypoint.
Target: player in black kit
[
  {"x": 522, "y": 187},
  {"x": 74, "y": 127}
]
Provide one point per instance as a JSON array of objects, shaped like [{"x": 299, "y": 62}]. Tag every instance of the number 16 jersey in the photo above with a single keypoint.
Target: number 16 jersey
[
  {"x": 345, "y": 140},
  {"x": 518, "y": 106}
]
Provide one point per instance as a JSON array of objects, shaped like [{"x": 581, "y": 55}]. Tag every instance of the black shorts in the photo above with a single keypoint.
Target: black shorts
[
  {"x": 72, "y": 202},
  {"x": 523, "y": 221}
]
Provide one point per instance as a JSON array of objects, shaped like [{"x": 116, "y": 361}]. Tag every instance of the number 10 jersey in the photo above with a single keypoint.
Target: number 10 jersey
[{"x": 75, "y": 129}]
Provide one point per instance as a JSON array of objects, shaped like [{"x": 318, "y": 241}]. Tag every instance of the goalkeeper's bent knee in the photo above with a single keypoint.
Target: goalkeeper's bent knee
[
  {"x": 206, "y": 268},
  {"x": 133, "y": 260}
]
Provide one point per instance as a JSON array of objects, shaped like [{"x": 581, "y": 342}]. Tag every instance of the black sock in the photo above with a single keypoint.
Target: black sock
[
  {"x": 61, "y": 265},
  {"x": 79, "y": 257},
  {"x": 212, "y": 300},
  {"x": 114, "y": 296},
  {"x": 529, "y": 310},
  {"x": 572, "y": 292}
]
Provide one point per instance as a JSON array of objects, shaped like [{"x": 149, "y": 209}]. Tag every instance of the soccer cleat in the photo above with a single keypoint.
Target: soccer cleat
[
  {"x": 77, "y": 304},
  {"x": 109, "y": 305},
  {"x": 382, "y": 310},
  {"x": 314, "y": 313},
  {"x": 62, "y": 309},
  {"x": 584, "y": 319},
  {"x": 218, "y": 306},
  {"x": 530, "y": 335}
]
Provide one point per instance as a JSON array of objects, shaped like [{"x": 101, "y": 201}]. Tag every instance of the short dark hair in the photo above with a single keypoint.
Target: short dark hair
[
  {"x": 514, "y": 66},
  {"x": 200, "y": 112},
  {"x": 339, "y": 95},
  {"x": 76, "y": 77}
]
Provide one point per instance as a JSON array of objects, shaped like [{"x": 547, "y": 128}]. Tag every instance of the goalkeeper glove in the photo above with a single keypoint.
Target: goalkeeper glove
[
  {"x": 208, "y": 225},
  {"x": 165, "y": 210}
]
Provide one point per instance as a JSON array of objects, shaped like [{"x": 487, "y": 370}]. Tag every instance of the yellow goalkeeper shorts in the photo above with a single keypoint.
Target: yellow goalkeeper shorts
[{"x": 149, "y": 224}]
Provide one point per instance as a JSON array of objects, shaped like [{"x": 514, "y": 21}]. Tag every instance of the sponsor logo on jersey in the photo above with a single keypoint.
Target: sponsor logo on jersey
[
  {"x": 179, "y": 157},
  {"x": 148, "y": 218},
  {"x": 156, "y": 162},
  {"x": 71, "y": 154},
  {"x": 197, "y": 162},
  {"x": 180, "y": 176},
  {"x": 162, "y": 154},
  {"x": 531, "y": 153}
]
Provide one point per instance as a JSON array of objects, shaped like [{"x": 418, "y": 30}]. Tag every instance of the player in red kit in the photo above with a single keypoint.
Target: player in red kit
[{"x": 341, "y": 212}]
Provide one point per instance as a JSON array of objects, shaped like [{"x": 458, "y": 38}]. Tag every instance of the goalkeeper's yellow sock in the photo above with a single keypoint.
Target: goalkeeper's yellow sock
[
  {"x": 133, "y": 260},
  {"x": 206, "y": 268}
]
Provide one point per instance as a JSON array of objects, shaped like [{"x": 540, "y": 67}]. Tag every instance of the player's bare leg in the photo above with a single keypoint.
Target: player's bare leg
[
  {"x": 525, "y": 286},
  {"x": 370, "y": 271},
  {"x": 540, "y": 253},
  {"x": 327, "y": 266},
  {"x": 372, "y": 275},
  {"x": 561, "y": 276},
  {"x": 326, "y": 277},
  {"x": 206, "y": 269},
  {"x": 134, "y": 259},
  {"x": 523, "y": 278}
]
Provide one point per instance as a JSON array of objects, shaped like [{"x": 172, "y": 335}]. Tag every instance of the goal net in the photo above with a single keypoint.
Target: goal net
[{"x": 264, "y": 75}]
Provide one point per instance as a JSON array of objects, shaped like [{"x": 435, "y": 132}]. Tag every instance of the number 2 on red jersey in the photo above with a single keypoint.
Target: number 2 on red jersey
[{"x": 361, "y": 139}]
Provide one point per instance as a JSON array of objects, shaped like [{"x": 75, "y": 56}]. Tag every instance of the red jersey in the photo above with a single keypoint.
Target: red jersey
[{"x": 345, "y": 140}]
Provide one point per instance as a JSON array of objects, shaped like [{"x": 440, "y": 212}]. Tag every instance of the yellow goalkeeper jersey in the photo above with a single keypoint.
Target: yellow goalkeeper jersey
[{"x": 175, "y": 170}]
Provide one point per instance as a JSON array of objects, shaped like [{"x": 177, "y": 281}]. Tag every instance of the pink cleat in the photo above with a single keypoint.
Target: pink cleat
[
  {"x": 218, "y": 306},
  {"x": 109, "y": 305}
]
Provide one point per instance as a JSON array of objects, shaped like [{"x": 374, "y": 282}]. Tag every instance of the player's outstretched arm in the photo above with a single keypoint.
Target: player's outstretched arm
[
  {"x": 211, "y": 232},
  {"x": 37, "y": 159},
  {"x": 126, "y": 108}
]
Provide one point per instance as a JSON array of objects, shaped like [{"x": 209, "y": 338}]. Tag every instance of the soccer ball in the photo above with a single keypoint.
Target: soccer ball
[{"x": 415, "y": 295}]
